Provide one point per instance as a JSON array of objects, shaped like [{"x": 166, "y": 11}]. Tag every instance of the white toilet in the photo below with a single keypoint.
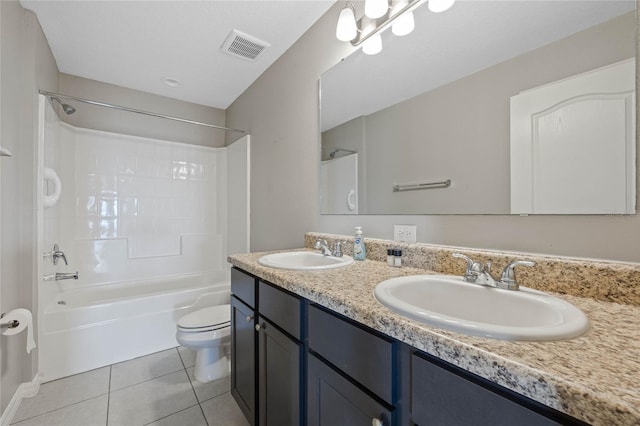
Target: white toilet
[{"x": 207, "y": 331}]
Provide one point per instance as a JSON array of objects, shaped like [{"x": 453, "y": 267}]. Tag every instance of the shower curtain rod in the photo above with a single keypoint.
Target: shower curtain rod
[{"x": 139, "y": 111}]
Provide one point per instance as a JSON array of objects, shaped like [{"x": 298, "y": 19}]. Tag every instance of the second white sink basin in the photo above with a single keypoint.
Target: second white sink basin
[
  {"x": 448, "y": 302},
  {"x": 304, "y": 261}
]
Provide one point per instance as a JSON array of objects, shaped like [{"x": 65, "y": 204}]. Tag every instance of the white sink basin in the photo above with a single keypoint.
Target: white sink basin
[
  {"x": 304, "y": 261},
  {"x": 448, "y": 302}
]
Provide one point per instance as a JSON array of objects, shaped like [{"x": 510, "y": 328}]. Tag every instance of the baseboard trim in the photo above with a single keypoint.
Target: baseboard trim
[{"x": 25, "y": 390}]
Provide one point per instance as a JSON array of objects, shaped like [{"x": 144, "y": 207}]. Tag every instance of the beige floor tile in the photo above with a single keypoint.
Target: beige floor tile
[
  {"x": 190, "y": 417},
  {"x": 151, "y": 400},
  {"x": 223, "y": 411},
  {"x": 209, "y": 390},
  {"x": 64, "y": 392},
  {"x": 145, "y": 368},
  {"x": 188, "y": 356},
  {"x": 87, "y": 413}
]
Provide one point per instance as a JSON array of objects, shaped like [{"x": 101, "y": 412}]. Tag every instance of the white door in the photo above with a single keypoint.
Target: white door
[
  {"x": 573, "y": 144},
  {"x": 339, "y": 185}
]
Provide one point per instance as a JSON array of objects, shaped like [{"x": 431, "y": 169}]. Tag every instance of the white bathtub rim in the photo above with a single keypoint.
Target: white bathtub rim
[
  {"x": 55, "y": 306},
  {"x": 203, "y": 280}
]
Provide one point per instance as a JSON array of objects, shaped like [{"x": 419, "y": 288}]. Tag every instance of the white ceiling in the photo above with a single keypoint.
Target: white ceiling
[
  {"x": 444, "y": 47},
  {"x": 135, "y": 44}
]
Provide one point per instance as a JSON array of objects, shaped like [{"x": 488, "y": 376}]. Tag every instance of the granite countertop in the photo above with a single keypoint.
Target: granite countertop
[{"x": 594, "y": 377}]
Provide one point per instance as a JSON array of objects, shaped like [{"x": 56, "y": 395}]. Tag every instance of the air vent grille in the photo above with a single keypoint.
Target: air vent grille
[{"x": 244, "y": 46}]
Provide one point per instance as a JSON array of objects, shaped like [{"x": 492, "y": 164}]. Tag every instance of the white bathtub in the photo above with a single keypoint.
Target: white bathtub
[{"x": 92, "y": 327}]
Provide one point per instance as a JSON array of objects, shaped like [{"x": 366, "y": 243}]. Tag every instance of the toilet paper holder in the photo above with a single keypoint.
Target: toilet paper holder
[{"x": 10, "y": 324}]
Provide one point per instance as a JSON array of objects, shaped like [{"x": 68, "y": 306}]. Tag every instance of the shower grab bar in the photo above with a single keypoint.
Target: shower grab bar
[
  {"x": 427, "y": 185},
  {"x": 139, "y": 111}
]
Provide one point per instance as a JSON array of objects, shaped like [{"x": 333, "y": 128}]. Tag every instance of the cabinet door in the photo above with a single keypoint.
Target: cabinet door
[
  {"x": 279, "y": 377},
  {"x": 335, "y": 401},
  {"x": 243, "y": 358},
  {"x": 441, "y": 397}
]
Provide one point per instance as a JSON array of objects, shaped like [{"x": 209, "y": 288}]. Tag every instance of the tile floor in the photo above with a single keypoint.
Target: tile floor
[{"x": 157, "y": 389}]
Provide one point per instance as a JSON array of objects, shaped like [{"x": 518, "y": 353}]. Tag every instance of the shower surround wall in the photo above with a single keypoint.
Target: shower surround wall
[
  {"x": 144, "y": 223},
  {"x": 140, "y": 207}
]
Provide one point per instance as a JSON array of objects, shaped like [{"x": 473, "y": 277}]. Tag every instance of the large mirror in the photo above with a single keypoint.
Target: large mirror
[{"x": 424, "y": 126}]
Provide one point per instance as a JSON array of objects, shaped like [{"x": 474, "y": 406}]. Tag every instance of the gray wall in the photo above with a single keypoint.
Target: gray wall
[
  {"x": 460, "y": 131},
  {"x": 112, "y": 120},
  {"x": 26, "y": 65},
  {"x": 281, "y": 109}
]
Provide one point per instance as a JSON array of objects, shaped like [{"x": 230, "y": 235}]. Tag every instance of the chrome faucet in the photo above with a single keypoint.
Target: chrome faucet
[
  {"x": 325, "y": 249},
  {"x": 508, "y": 278},
  {"x": 478, "y": 273},
  {"x": 56, "y": 254},
  {"x": 323, "y": 246},
  {"x": 474, "y": 269},
  {"x": 66, "y": 276}
]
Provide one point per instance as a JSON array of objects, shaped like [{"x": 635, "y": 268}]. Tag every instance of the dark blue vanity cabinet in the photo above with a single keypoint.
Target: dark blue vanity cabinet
[
  {"x": 312, "y": 366},
  {"x": 351, "y": 373},
  {"x": 265, "y": 333},
  {"x": 443, "y": 394},
  {"x": 243, "y": 343}
]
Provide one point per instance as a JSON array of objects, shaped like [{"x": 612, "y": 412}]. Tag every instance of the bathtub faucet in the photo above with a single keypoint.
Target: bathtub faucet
[
  {"x": 66, "y": 276},
  {"x": 57, "y": 254}
]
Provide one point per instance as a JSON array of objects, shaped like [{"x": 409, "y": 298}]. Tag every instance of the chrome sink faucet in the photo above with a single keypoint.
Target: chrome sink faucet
[
  {"x": 478, "y": 273},
  {"x": 325, "y": 249},
  {"x": 323, "y": 246}
]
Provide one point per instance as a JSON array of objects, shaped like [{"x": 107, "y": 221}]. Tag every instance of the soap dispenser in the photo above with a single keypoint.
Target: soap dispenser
[{"x": 359, "y": 250}]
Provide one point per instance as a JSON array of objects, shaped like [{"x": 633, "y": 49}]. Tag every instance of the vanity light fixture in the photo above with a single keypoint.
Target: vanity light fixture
[
  {"x": 404, "y": 23},
  {"x": 375, "y": 9},
  {"x": 397, "y": 14},
  {"x": 347, "y": 28},
  {"x": 373, "y": 45},
  {"x": 438, "y": 6}
]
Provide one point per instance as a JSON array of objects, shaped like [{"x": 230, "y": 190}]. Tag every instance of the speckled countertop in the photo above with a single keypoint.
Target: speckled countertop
[{"x": 594, "y": 377}]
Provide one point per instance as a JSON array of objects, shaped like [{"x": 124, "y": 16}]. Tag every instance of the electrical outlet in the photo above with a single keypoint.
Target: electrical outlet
[{"x": 405, "y": 233}]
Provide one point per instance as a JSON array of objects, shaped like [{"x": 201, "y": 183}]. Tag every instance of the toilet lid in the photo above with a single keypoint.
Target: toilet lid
[{"x": 214, "y": 316}]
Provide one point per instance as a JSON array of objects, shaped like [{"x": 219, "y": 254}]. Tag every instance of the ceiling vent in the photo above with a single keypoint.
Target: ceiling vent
[{"x": 244, "y": 46}]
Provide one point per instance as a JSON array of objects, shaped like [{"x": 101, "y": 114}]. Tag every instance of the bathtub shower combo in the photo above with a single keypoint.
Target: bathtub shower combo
[{"x": 145, "y": 224}]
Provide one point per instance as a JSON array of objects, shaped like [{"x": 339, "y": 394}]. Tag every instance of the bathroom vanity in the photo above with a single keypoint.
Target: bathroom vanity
[
  {"x": 339, "y": 372},
  {"x": 316, "y": 348}
]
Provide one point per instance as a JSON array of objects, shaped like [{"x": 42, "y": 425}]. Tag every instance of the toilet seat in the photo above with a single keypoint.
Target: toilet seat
[{"x": 205, "y": 320}]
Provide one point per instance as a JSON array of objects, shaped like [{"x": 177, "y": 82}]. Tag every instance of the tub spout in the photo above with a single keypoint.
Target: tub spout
[{"x": 66, "y": 276}]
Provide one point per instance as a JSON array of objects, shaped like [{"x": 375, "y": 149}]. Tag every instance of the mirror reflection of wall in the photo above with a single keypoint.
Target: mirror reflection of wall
[{"x": 459, "y": 129}]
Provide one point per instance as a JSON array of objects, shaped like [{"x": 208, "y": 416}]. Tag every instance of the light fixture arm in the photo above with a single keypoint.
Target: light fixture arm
[{"x": 383, "y": 23}]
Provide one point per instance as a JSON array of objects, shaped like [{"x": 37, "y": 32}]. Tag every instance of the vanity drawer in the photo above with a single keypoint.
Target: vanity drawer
[
  {"x": 243, "y": 286},
  {"x": 281, "y": 308},
  {"x": 359, "y": 353},
  {"x": 440, "y": 396}
]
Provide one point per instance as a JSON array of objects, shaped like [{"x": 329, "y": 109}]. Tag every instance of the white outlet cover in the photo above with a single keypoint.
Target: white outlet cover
[{"x": 405, "y": 233}]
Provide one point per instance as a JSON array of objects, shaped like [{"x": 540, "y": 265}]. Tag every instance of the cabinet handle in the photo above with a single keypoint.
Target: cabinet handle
[
  {"x": 376, "y": 422},
  {"x": 249, "y": 318},
  {"x": 259, "y": 327}
]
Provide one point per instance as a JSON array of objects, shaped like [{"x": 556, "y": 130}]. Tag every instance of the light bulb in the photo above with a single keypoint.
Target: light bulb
[
  {"x": 440, "y": 5},
  {"x": 346, "y": 29},
  {"x": 373, "y": 45},
  {"x": 403, "y": 24},
  {"x": 375, "y": 8}
]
